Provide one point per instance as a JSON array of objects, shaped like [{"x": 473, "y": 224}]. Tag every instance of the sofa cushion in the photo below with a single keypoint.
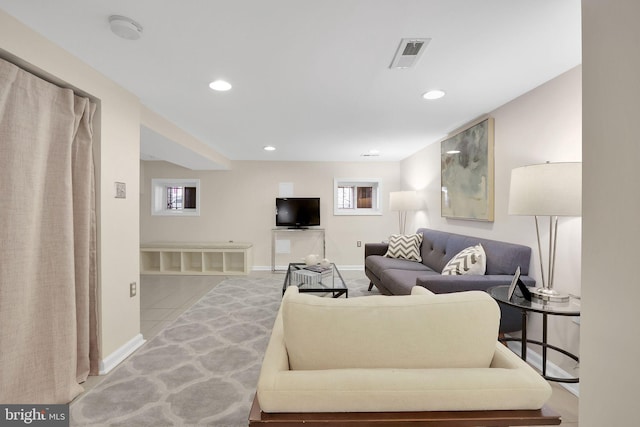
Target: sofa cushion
[
  {"x": 419, "y": 290},
  {"x": 377, "y": 264},
  {"x": 328, "y": 333},
  {"x": 438, "y": 247},
  {"x": 405, "y": 246},
  {"x": 400, "y": 282},
  {"x": 471, "y": 260},
  {"x": 509, "y": 383}
]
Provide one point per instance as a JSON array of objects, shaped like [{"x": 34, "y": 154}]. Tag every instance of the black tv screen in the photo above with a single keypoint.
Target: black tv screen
[{"x": 297, "y": 212}]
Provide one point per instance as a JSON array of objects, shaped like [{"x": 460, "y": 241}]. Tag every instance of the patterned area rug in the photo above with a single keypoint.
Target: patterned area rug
[{"x": 202, "y": 370}]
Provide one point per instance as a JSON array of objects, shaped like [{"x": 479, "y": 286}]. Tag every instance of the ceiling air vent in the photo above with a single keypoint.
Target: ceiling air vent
[{"x": 409, "y": 52}]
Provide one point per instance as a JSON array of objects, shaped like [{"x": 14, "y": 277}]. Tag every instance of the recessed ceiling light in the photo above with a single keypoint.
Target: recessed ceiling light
[
  {"x": 434, "y": 94},
  {"x": 453, "y": 152},
  {"x": 269, "y": 148},
  {"x": 220, "y": 85}
]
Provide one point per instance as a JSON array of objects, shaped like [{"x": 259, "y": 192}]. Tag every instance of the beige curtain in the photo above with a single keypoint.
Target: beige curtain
[{"x": 48, "y": 338}]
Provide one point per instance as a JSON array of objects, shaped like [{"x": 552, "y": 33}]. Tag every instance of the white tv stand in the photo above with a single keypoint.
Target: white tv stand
[
  {"x": 215, "y": 258},
  {"x": 276, "y": 231}
]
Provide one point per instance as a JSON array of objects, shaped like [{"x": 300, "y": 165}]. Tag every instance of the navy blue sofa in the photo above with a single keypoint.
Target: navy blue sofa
[{"x": 397, "y": 276}]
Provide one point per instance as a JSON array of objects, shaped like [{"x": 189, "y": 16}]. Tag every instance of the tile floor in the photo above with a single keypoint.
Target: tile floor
[{"x": 164, "y": 298}]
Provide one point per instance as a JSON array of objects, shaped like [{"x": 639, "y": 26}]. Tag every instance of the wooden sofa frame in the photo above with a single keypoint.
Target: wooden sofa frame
[{"x": 538, "y": 417}]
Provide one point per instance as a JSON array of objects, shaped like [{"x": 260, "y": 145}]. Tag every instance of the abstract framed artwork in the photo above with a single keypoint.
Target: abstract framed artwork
[{"x": 467, "y": 169}]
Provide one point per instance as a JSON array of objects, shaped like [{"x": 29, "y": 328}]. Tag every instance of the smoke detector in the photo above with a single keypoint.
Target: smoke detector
[
  {"x": 124, "y": 27},
  {"x": 409, "y": 52}
]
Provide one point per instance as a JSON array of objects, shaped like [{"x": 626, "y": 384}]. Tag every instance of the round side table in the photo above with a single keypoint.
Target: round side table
[{"x": 569, "y": 308}]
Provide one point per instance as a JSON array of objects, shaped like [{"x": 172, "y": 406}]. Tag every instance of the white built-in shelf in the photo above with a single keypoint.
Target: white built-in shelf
[{"x": 216, "y": 258}]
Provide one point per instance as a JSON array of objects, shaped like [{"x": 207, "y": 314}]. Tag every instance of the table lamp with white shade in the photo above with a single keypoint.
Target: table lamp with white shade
[
  {"x": 553, "y": 190},
  {"x": 403, "y": 201}
]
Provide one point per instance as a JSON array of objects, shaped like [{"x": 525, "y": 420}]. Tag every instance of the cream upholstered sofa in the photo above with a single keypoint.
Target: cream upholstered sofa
[{"x": 419, "y": 352}]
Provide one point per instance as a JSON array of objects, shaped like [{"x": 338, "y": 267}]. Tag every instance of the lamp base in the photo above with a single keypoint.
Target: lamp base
[{"x": 550, "y": 295}]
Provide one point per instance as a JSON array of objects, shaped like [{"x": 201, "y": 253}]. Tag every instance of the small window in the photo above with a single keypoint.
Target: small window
[
  {"x": 181, "y": 198},
  {"x": 175, "y": 197},
  {"x": 357, "y": 197}
]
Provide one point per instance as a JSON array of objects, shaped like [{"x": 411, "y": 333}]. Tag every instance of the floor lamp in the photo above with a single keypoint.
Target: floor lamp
[
  {"x": 403, "y": 201},
  {"x": 553, "y": 190}
]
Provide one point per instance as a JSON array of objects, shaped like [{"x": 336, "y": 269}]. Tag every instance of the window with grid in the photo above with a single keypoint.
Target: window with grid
[
  {"x": 345, "y": 197},
  {"x": 181, "y": 198},
  {"x": 356, "y": 197},
  {"x": 175, "y": 197}
]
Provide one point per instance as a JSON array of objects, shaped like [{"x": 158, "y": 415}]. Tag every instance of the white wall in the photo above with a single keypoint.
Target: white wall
[
  {"x": 239, "y": 204},
  {"x": 117, "y": 154},
  {"x": 611, "y": 202},
  {"x": 542, "y": 125},
  {"x": 181, "y": 147}
]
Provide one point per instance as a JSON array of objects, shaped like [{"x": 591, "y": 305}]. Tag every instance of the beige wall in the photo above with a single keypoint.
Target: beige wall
[
  {"x": 542, "y": 125},
  {"x": 117, "y": 154},
  {"x": 164, "y": 127},
  {"x": 611, "y": 202},
  {"x": 239, "y": 204}
]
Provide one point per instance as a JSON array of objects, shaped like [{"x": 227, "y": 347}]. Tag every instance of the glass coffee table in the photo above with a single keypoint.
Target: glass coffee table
[{"x": 316, "y": 279}]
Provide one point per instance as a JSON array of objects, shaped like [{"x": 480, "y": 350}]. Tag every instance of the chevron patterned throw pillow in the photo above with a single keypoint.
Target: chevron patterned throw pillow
[
  {"x": 471, "y": 260},
  {"x": 405, "y": 246}
]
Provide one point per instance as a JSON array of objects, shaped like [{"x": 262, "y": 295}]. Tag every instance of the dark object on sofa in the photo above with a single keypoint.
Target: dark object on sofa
[{"x": 394, "y": 276}]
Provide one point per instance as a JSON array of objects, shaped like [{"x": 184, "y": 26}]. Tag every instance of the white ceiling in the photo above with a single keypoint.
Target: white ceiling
[{"x": 312, "y": 77}]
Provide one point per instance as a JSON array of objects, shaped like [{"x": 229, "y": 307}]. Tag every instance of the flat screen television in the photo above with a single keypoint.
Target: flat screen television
[{"x": 297, "y": 212}]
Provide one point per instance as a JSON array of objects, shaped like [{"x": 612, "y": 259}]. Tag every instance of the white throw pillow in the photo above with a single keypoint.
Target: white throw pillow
[
  {"x": 471, "y": 260},
  {"x": 405, "y": 246}
]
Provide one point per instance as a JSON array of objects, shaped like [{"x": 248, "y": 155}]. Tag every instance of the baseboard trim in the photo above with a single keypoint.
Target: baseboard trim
[
  {"x": 260, "y": 268},
  {"x": 351, "y": 267},
  {"x": 115, "y": 358},
  {"x": 535, "y": 360}
]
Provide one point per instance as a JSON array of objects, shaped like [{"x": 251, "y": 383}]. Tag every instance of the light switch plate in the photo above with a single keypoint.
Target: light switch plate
[{"x": 121, "y": 190}]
